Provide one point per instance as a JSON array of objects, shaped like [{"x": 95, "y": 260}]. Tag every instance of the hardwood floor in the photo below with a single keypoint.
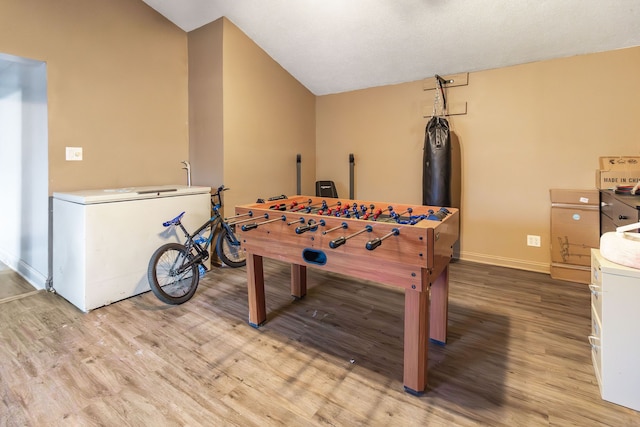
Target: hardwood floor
[
  {"x": 12, "y": 285},
  {"x": 517, "y": 355}
]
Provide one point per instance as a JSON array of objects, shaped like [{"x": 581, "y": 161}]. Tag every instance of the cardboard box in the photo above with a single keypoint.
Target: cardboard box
[
  {"x": 571, "y": 273},
  {"x": 575, "y": 229},
  {"x": 574, "y": 197},
  {"x": 618, "y": 170}
]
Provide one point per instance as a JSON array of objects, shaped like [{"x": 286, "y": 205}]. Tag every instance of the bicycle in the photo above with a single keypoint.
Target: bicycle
[{"x": 174, "y": 269}]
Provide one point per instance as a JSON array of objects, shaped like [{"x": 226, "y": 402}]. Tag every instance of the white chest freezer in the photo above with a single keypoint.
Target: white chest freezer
[{"x": 103, "y": 239}]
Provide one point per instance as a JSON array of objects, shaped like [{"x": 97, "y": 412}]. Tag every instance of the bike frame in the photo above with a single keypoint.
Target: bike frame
[{"x": 202, "y": 247}]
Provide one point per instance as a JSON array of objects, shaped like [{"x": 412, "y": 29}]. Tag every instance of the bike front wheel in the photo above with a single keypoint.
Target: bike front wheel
[
  {"x": 169, "y": 278},
  {"x": 229, "y": 250}
]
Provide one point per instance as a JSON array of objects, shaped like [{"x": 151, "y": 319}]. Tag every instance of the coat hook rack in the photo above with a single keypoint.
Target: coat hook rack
[
  {"x": 452, "y": 80},
  {"x": 444, "y": 81},
  {"x": 454, "y": 108}
]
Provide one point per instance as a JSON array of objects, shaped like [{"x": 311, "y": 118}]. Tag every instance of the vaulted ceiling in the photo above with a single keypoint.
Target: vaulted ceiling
[{"x": 333, "y": 46}]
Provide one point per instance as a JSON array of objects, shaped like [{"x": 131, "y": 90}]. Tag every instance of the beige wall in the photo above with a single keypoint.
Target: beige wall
[
  {"x": 529, "y": 128},
  {"x": 249, "y": 117},
  {"x": 117, "y": 87},
  {"x": 206, "y": 124},
  {"x": 269, "y": 118}
]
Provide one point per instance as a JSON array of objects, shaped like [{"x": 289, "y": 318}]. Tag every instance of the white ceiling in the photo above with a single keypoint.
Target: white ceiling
[{"x": 333, "y": 46}]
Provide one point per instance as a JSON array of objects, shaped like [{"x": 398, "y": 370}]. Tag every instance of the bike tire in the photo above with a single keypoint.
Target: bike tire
[
  {"x": 230, "y": 254},
  {"x": 168, "y": 286}
]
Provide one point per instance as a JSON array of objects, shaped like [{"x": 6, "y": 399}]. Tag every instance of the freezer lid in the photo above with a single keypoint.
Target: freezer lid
[{"x": 108, "y": 195}]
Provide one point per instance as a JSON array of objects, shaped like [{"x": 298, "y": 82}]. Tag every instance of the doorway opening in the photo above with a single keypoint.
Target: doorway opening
[{"x": 25, "y": 237}]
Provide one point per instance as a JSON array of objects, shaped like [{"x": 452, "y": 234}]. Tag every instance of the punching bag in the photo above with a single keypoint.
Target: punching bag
[{"x": 436, "y": 174}]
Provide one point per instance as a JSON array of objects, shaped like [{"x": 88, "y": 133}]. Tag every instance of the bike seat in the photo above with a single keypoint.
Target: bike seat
[{"x": 174, "y": 221}]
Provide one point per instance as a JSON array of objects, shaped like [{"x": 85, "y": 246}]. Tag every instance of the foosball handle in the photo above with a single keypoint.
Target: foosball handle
[
  {"x": 337, "y": 242},
  {"x": 372, "y": 244},
  {"x": 248, "y": 227},
  {"x": 438, "y": 216},
  {"x": 303, "y": 228}
]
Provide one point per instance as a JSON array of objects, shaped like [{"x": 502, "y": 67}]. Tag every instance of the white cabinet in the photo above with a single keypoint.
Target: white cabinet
[
  {"x": 615, "y": 330},
  {"x": 103, "y": 239}
]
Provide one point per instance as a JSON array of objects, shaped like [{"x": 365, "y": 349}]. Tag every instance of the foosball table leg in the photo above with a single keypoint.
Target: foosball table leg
[
  {"x": 416, "y": 333},
  {"x": 255, "y": 288},
  {"x": 298, "y": 281},
  {"x": 439, "y": 311}
]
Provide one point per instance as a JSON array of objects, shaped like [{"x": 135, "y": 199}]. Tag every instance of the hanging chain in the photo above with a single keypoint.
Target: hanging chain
[{"x": 438, "y": 101}]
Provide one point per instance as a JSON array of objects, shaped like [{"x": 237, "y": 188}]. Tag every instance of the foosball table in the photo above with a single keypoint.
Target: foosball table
[{"x": 397, "y": 245}]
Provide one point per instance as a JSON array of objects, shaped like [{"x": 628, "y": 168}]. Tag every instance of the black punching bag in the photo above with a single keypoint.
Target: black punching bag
[{"x": 436, "y": 174}]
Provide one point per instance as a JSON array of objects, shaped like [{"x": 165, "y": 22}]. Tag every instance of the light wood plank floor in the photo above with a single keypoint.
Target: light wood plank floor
[
  {"x": 12, "y": 285},
  {"x": 517, "y": 355}
]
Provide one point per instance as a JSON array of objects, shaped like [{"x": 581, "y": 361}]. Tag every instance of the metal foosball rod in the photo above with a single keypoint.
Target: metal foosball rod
[
  {"x": 303, "y": 207},
  {"x": 265, "y": 216},
  {"x": 311, "y": 225},
  {"x": 248, "y": 227},
  {"x": 297, "y": 221},
  {"x": 250, "y": 213},
  {"x": 309, "y": 206},
  {"x": 381, "y": 211},
  {"x": 295, "y": 206},
  {"x": 372, "y": 244},
  {"x": 323, "y": 205},
  {"x": 343, "y": 225},
  {"x": 330, "y": 209},
  {"x": 313, "y": 206},
  {"x": 367, "y": 212},
  {"x": 279, "y": 207},
  {"x": 396, "y": 217},
  {"x": 343, "y": 239},
  {"x": 342, "y": 212},
  {"x": 355, "y": 211}
]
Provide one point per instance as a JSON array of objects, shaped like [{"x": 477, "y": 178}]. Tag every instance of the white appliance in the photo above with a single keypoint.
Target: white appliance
[
  {"x": 615, "y": 340},
  {"x": 103, "y": 239}
]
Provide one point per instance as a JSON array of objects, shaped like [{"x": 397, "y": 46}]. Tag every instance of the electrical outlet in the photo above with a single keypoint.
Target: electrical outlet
[
  {"x": 73, "y": 153},
  {"x": 533, "y": 240}
]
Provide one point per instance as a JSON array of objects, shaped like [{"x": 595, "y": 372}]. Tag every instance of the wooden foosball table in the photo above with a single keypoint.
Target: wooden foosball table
[{"x": 397, "y": 245}]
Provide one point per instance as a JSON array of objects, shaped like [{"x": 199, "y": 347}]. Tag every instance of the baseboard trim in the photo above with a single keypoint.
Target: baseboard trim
[
  {"x": 518, "y": 264},
  {"x": 28, "y": 273}
]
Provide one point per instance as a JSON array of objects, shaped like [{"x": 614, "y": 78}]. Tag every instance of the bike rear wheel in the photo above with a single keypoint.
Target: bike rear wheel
[
  {"x": 168, "y": 279},
  {"x": 228, "y": 252}
]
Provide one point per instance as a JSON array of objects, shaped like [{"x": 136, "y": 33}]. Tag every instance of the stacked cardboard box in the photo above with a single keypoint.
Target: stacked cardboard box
[
  {"x": 618, "y": 170},
  {"x": 575, "y": 229}
]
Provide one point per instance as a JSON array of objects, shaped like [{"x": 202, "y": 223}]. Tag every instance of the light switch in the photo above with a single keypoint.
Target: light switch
[{"x": 74, "y": 153}]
